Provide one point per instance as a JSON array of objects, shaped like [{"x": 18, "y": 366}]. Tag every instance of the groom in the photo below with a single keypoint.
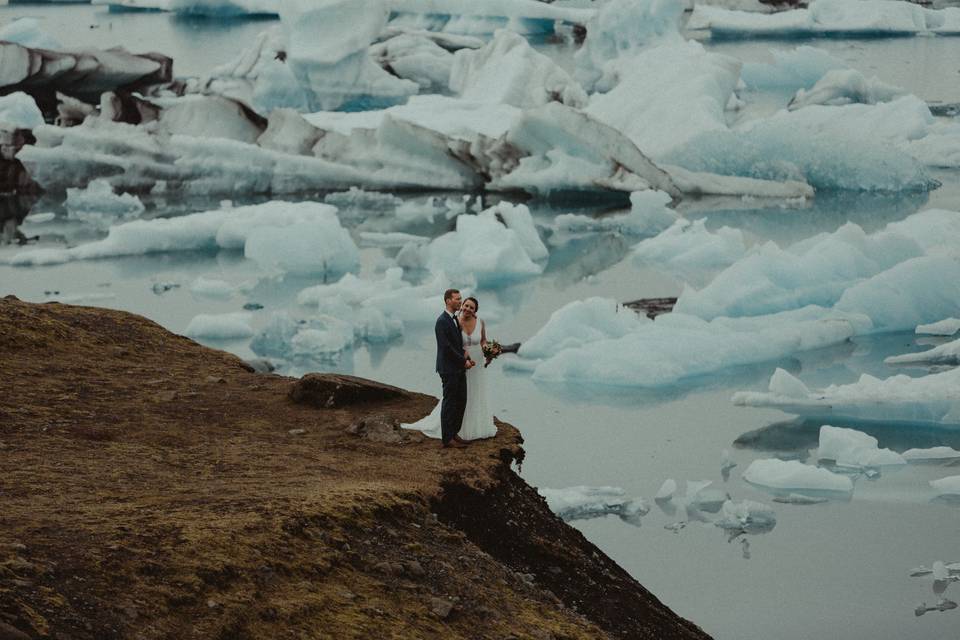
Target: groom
[{"x": 452, "y": 365}]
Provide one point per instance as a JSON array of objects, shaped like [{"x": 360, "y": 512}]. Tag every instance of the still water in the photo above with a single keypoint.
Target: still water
[{"x": 831, "y": 570}]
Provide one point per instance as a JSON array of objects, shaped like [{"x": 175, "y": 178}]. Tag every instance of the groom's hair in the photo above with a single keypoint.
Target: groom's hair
[{"x": 449, "y": 294}]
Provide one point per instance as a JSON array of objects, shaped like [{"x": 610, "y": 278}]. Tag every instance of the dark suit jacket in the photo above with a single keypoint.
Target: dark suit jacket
[{"x": 450, "y": 358}]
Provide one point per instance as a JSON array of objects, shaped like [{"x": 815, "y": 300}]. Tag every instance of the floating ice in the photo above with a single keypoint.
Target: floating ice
[
  {"x": 321, "y": 338},
  {"x": 701, "y": 183},
  {"x": 367, "y": 201},
  {"x": 212, "y": 288},
  {"x": 949, "y": 486},
  {"x": 225, "y": 326},
  {"x": 702, "y": 496},
  {"x": 844, "y": 18},
  {"x": 821, "y": 270},
  {"x": 27, "y": 32},
  {"x": 578, "y": 503},
  {"x": 851, "y": 448},
  {"x": 391, "y": 239},
  {"x": 855, "y": 146},
  {"x": 486, "y": 249},
  {"x": 746, "y": 515},
  {"x": 932, "y": 453},
  {"x": 581, "y": 323},
  {"x": 99, "y": 206},
  {"x": 952, "y": 569},
  {"x": 794, "y": 475},
  {"x": 416, "y": 58},
  {"x": 688, "y": 246},
  {"x": 846, "y": 86},
  {"x": 798, "y": 68},
  {"x": 483, "y": 17},
  {"x": 946, "y": 327},
  {"x": 666, "y": 490},
  {"x": 797, "y": 498},
  {"x": 508, "y": 70},
  {"x": 303, "y": 236},
  {"x": 651, "y": 86},
  {"x": 19, "y": 111},
  {"x": 677, "y": 346},
  {"x": 929, "y": 400},
  {"x": 944, "y": 354}
]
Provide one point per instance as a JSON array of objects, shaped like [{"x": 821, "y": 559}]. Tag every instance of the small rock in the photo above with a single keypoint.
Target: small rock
[
  {"x": 377, "y": 428},
  {"x": 329, "y": 390},
  {"x": 213, "y": 604},
  {"x": 216, "y": 380},
  {"x": 252, "y": 306},
  {"x": 414, "y": 568},
  {"x": 440, "y": 607},
  {"x": 18, "y": 546},
  {"x": 297, "y": 432}
]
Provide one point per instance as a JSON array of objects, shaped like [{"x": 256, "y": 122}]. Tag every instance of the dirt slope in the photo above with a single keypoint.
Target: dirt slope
[{"x": 154, "y": 488}]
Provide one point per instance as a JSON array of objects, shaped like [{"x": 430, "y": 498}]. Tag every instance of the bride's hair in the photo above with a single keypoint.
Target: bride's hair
[{"x": 476, "y": 303}]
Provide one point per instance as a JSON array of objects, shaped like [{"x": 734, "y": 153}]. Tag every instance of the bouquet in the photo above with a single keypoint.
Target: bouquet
[{"x": 491, "y": 350}]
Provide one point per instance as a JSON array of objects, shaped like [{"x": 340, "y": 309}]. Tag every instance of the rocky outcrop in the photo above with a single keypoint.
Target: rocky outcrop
[{"x": 153, "y": 488}]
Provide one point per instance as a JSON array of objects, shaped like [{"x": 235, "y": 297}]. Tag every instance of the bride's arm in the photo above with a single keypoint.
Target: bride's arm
[{"x": 483, "y": 334}]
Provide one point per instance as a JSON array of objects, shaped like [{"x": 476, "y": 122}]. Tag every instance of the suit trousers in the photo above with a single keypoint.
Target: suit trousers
[{"x": 453, "y": 404}]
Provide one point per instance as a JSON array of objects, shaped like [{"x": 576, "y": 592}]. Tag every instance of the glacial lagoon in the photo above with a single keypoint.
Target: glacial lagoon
[{"x": 835, "y": 568}]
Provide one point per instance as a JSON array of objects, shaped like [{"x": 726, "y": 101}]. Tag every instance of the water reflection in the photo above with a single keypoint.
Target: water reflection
[{"x": 13, "y": 211}]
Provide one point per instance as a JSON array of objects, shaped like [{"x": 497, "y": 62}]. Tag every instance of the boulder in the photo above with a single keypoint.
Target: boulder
[{"x": 331, "y": 391}]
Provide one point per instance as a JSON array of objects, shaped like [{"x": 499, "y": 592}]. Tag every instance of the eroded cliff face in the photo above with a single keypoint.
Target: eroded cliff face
[{"x": 154, "y": 488}]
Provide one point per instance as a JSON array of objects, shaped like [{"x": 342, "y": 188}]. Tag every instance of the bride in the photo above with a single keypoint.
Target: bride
[{"x": 477, "y": 417}]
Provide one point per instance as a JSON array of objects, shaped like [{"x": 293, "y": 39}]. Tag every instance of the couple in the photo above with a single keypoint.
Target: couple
[{"x": 463, "y": 414}]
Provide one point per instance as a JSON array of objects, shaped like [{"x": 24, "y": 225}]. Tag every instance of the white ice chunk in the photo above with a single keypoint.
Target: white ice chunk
[
  {"x": 517, "y": 218},
  {"x": 27, "y": 32},
  {"x": 576, "y": 503},
  {"x": 932, "y": 453},
  {"x": 310, "y": 232},
  {"x": 949, "y": 486},
  {"x": 794, "y": 475},
  {"x": 946, "y": 327},
  {"x": 848, "y": 447},
  {"x": 225, "y": 326},
  {"x": 846, "y": 86},
  {"x": 746, "y": 515},
  {"x": 688, "y": 246},
  {"x": 482, "y": 248},
  {"x": 944, "y": 354},
  {"x": 418, "y": 58},
  {"x": 821, "y": 269},
  {"x": 929, "y": 400},
  {"x": 798, "y": 68},
  {"x": 666, "y": 490},
  {"x": 391, "y": 239},
  {"x": 508, "y": 70},
  {"x": 19, "y": 111},
  {"x": 581, "y": 323},
  {"x": 784, "y": 384}
]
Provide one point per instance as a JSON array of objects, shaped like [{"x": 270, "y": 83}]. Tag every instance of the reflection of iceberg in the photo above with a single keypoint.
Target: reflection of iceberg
[
  {"x": 930, "y": 400},
  {"x": 945, "y": 354}
]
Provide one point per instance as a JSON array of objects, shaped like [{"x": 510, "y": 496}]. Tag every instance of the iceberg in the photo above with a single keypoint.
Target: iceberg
[
  {"x": 666, "y": 490},
  {"x": 322, "y": 338},
  {"x": 949, "y": 486},
  {"x": 484, "y": 17},
  {"x": 648, "y": 216},
  {"x": 27, "y": 32},
  {"x": 946, "y": 327},
  {"x": 687, "y": 246},
  {"x": 508, "y": 70},
  {"x": 821, "y": 269},
  {"x": 226, "y": 326},
  {"x": 851, "y": 448},
  {"x": 276, "y": 233},
  {"x": 943, "y": 355},
  {"x": 845, "y": 18},
  {"x": 486, "y": 249},
  {"x": 795, "y": 476},
  {"x": 19, "y": 111},
  {"x": 212, "y": 288},
  {"x": 579, "y": 503},
  {"x": 846, "y": 86},
  {"x": 931, "y": 400},
  {"x": 747, "y": 515},
  {"x": 675, "y": 346},
  {"x": 932, "y": 453},
  {"x": 855, "y": 146},
  {"x": 799, "y": 68},
  {"x": 417, "y": 58}
]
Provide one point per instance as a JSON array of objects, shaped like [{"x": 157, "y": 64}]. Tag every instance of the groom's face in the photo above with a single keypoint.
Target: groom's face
[{"x": 453, "y": 304}]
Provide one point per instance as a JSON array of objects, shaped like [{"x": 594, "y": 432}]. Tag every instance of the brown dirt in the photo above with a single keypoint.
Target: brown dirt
[{"x": 152, "y": 488}]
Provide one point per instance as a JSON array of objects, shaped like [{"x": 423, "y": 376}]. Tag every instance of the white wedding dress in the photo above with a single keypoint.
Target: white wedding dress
[{"x": 477, "y": 417}]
